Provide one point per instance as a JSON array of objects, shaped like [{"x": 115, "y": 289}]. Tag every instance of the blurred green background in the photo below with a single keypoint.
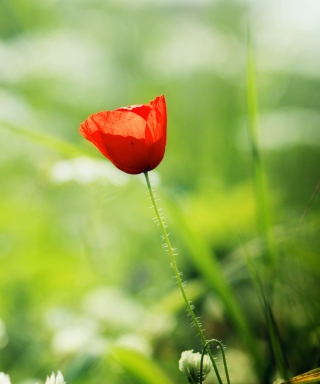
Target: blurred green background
[{"x": 85, "y": 286}]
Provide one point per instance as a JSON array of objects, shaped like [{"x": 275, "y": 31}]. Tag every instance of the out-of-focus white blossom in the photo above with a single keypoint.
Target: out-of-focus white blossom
[
  {"x": 189, "y": 364},
  {"x": 53, "y": 379},
  {"x": 84, "y": 170},
  {"x": 4, "y": 379}
]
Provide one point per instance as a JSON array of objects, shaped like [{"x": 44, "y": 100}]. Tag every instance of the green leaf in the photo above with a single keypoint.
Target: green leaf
[
  {"x": 48, "y": 141},
  {"x": 207, "y": 264},
  {"x": 140, "y": 366}
]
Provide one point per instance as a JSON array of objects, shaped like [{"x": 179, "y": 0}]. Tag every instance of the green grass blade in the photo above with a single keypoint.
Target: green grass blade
[
  {"x": 140, "y": 366},
  {"x": 171, "y": 303},
  {"x": 208, "y": 266},
  {"x": 273, "y": 332},
  {"x": 259, "y": 172},
  {"x": 47, "y": 141},
  {"x": 265, "y": 285}
]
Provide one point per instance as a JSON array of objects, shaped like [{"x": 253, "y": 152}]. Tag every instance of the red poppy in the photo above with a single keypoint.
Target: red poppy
[{"x": 132, "y": 138}]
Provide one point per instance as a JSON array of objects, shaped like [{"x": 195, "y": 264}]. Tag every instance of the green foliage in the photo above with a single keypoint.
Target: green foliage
[
  {"x": 83, "y": 278},
  {"x": 140, "y": 366}
]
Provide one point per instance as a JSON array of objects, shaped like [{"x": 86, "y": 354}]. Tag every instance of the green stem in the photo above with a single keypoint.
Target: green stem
[
  {"x": 177, "y": 274},
  {"x": 266, "y": 287},
  {"x": 259, "y": 171},
  {"x": 223, "y": 358}
]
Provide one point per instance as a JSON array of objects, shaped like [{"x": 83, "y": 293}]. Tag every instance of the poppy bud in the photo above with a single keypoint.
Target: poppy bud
[{"x": 132, "y": 138}]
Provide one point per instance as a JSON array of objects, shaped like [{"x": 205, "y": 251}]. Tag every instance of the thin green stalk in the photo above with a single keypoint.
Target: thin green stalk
[
  {"x": 177, "y": 274},
  {"x": 223, "y": 358},
  {"x": 259, "y": 172},
  {"x": 265, "y": 289},
  {"x": 273, "y": 331}
]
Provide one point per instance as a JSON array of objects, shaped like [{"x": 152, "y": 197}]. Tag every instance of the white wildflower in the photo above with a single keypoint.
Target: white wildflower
[
  {"x": 4, "y": 379},
  {"x": 189, "y": 364},
  {"x": 55, "y": 379}
]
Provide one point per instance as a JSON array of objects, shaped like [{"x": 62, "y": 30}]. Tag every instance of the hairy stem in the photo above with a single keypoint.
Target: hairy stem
[{"x": 177, "y": 275}]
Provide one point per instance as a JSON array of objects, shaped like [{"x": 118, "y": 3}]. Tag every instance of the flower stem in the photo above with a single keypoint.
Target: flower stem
[
  {"x": 177, "y": 274},
  {"x": 223, "y": 358}
]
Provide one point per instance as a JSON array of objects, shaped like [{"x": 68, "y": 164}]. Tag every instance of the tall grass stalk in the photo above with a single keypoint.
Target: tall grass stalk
[
  {"x": 263, "y": 208},
  {"x": 264, "y": 286}
]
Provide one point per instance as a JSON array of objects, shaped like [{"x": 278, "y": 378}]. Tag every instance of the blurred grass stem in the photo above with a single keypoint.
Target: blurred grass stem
[
  {"x": 177, "y": 274},
  {"x": 259, "y": 172},
  {"x": 271, "y": 260}
]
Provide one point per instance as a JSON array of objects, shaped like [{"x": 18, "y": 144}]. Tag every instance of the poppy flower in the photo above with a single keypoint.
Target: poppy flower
[{"x": 132, "y": 138}]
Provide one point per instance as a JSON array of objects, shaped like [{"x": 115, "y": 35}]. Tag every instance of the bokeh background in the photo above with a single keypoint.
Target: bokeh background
[{"x": 85, "y": 286}]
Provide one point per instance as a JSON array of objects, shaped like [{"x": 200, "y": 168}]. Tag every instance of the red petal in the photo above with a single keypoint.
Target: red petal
[{"x": 133, "y": 138}]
